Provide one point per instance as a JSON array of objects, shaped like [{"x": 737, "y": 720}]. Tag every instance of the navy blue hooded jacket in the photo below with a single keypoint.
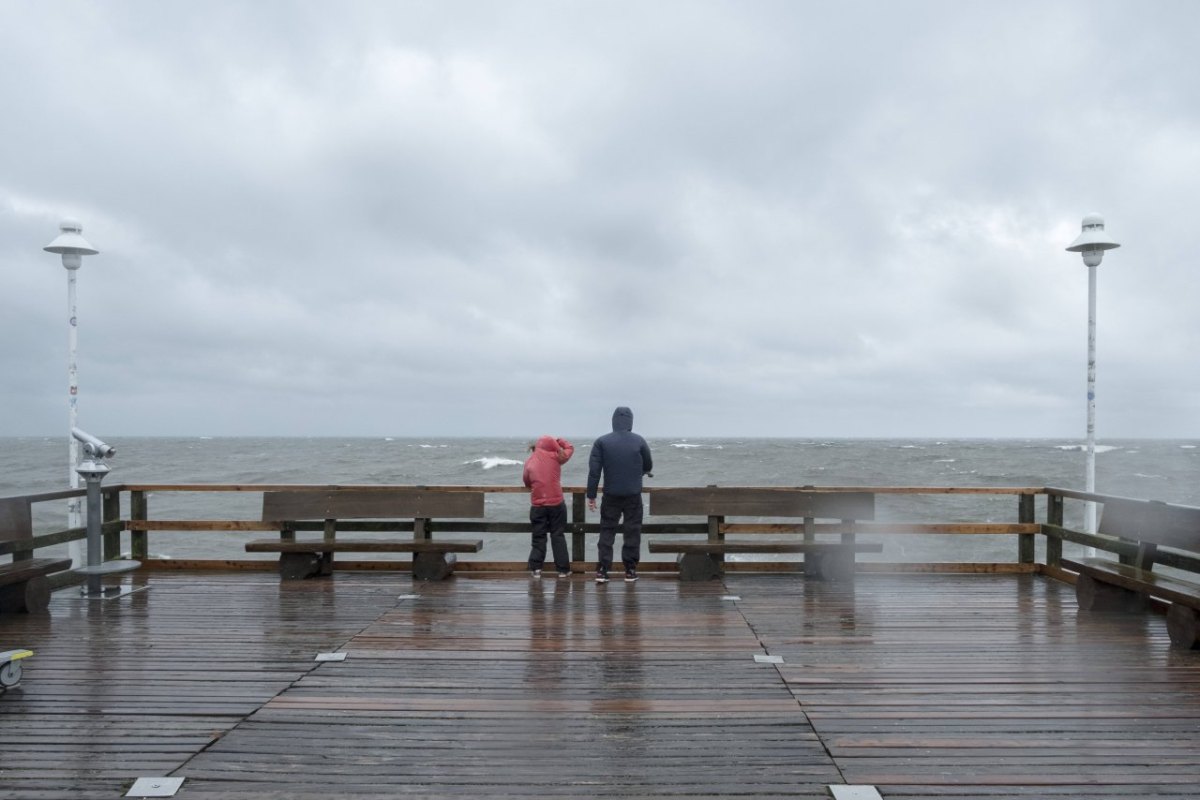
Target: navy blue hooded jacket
[{"x": 621, "y": 456}]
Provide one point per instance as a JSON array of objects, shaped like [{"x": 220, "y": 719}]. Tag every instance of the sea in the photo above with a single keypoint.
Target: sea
[{"x": 1155, "y": 469}]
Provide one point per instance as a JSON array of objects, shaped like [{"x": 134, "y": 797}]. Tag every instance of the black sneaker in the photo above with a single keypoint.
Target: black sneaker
[
  {"x": 601, "y": 576},
  {"x": 630, "y": 575}
]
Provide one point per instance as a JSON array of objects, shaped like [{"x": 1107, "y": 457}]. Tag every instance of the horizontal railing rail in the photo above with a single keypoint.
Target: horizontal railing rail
[{"x": 127, "y": 508}]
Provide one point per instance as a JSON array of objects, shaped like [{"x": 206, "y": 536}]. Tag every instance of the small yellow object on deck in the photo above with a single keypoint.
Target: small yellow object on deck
[{"x": 10, "y": 668}]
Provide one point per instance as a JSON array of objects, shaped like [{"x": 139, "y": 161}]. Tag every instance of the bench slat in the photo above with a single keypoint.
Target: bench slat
[
  {"x": 19, "y": 571},
  {"x": 1165, "y": 587},
  {"x": 364, "y": 546},
  {"x": 736, "y": 502},
  {"x": 368, "y": 504},
  {"x": 763, "y": 547}
]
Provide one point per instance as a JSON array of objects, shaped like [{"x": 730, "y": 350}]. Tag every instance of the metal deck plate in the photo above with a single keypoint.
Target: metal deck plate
[
  {"x": 111, "y": 592},
  {"x": 761, "y": 659},
  {"x": 860, "y": 792},
  {"x": 408, "y": 597},
  {"x": 155, "y": 787},
  {"x": 731, "y": 597},
  {"x": 330, "y": 657}
]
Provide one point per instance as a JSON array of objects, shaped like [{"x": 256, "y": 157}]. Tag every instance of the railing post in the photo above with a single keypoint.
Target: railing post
[
  {"x": 1026, "y": 544},
  {"x": 1054, "y": 516},
  {"x": 111, "y": 513},
  {"x": 329, "y": 534},
  {"x": 139, "y": 545},
  {"x": 715, "y": 534},
  {"x": 578, "y": 520}
]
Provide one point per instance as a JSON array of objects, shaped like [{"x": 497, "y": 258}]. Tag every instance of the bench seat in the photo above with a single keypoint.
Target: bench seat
[
  {"x": 23, "y": 584},
  {"x": 1155, "y": 584},
  {"x": 698, "y": 560},
  {"x": 1105, "y": 585},
  {"x": 433, "y": 560},
  {"x": 363, "y": 546},
  {"x": 726, "y": 546},
  {"x": 704, "y": 560}
]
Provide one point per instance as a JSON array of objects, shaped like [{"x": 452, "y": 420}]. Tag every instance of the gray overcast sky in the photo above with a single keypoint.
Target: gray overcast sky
[{"x": 739, "y": 218}]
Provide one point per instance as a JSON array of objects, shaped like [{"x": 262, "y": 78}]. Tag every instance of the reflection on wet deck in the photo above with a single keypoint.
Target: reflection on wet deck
[{"x": 984, "y": 686}]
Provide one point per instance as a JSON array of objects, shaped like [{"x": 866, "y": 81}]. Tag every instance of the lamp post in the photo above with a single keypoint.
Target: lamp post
[
  {"x": 1091, "y": 243},
  {"x": 71, "y": 245}
]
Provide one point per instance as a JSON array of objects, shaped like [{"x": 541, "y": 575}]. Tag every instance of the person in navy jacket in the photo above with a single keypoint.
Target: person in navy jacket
[{"x": 621, "y": 458}]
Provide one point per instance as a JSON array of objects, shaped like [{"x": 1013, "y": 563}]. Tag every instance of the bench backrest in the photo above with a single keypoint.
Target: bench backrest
[
  {"x": 15, "y": 522},
  {"x": 15, "y": 526},
  {"x": 1152, "y": 522},
  {"x": 303, "y": 504},
  {"x": 733, "y": 502}
]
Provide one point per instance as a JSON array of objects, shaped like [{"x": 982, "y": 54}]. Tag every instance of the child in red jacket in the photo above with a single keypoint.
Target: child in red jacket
[{"x": 547, "y": 508}]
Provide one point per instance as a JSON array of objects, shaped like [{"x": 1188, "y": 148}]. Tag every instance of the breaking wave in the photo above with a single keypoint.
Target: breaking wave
[
  {"x": 1100, "y": 448},
  {"x": 491, "y": 462}
]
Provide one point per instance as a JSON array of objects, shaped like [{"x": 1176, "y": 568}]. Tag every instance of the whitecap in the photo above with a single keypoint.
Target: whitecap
[
  {"x": 683, "y": 445},
  {"x": 1100, "y": 448},
  {"x": 945, "y": 460},
  {"x": 1154, "y": 477},
  {"x": 491, "y": 462},
  {"x": 1187, "y": 447}
]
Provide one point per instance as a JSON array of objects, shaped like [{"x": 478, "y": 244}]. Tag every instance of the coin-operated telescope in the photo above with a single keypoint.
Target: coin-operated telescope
[{"x": 93, "y": 470}]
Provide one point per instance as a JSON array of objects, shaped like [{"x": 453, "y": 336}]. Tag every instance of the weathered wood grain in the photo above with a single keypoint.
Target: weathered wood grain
[
  {"x": 753, "y": 502},
  {"x": 986, "y": 687},
  {"x": 374, "y": 504}
]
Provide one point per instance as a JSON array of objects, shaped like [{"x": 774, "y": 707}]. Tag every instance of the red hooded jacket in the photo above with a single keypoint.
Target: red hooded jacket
[{"x": 543, "y": 470}]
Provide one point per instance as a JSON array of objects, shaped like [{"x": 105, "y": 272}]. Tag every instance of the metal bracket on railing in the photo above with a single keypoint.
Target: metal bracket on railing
[{"x": 93, "y": 471}]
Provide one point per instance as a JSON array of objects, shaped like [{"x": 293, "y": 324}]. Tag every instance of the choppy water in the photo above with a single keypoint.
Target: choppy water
[{"x": 1153, "y": 469}]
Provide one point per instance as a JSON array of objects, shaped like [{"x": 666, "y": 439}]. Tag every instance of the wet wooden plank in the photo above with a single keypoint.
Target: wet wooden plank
[
  {"x": 925, "y": 685},
  {"x": 987, "y": 686}
]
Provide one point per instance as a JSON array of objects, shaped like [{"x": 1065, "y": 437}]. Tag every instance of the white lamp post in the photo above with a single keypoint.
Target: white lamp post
[
  {"x": 71, "y": 245},
  {"x": 1092, "y": 242}
]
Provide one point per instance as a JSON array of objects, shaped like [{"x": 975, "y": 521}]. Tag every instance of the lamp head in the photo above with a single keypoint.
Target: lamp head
[
  {"x": 70, "y": 244},
  {"x": 1092, "y": 241}
]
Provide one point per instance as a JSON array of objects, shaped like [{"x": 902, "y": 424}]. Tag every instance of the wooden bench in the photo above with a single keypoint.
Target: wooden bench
[
  {"x": 704, "y": 559},
  {"x": 1105, "y": 585},
  {"x": 23, "y": 584},
  {"x": 432, "y": 559}
]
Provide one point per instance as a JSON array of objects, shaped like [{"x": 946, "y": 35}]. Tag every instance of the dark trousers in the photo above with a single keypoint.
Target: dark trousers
[
  {"x": 612, "y": 509},
  {"x": 550, "y": 520}
]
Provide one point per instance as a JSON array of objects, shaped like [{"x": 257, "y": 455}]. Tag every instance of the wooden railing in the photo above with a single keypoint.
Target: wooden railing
[{"x": 127, "y": 507}]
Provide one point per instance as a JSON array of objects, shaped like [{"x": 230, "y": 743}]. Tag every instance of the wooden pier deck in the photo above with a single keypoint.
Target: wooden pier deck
[{"x": 926, "y": 686}]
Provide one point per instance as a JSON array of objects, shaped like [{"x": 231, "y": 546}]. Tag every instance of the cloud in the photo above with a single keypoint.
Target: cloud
[{"x": 767, "y": 219}]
